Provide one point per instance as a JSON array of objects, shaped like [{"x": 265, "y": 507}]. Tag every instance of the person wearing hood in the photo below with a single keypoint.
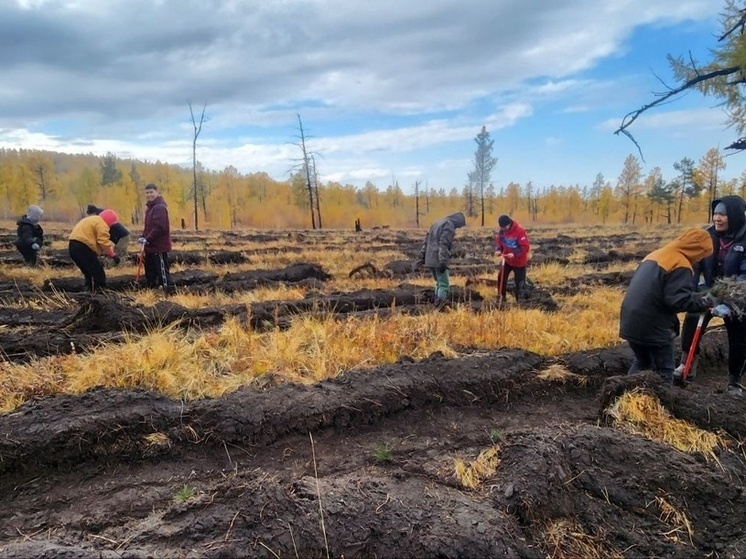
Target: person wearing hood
[
  {"x": 728, "y": 237},
  {"x": 88, "y": 240},
  {"x": 436, "y": 253},
  {"x": 660, "y": 288},
  {"x": 156, "y": 239},
  {"x": 30, "y": 235},
  {"x": 511, "y": 242},
  {"x": 118, "y": 233}
]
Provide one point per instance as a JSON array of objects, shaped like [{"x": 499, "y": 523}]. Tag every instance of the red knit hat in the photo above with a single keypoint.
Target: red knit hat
[{"x": 109, "y": 217}]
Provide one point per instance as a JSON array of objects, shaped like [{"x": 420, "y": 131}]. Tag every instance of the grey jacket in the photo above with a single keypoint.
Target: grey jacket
[{"x": 436, "y": 249}]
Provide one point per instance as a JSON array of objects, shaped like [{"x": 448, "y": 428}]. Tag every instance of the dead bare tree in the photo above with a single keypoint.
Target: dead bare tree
[
  {"x": 316, "y": 190},
  {"x": 305, "y": 167},
  {"x": 197, "y": 129}
]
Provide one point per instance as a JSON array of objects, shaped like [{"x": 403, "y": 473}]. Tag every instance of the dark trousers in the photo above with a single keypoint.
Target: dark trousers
[
  {"x": 736, "y": 330},
  {"x": 157, "y": 270},
  {"x": 658, "y": 358},
  {"x": 90, "y": 264},
  {"x": 29, "y": 255},
  {"x": 519, "y": 278}
]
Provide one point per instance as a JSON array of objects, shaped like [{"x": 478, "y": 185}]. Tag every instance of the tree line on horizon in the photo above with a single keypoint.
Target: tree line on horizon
[{"x": 64, "y": 184}]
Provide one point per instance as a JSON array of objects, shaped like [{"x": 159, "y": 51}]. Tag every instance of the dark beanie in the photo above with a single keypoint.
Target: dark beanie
[
  {"x": 504, "y": 221},
  {"x": 93, "y": 210}
]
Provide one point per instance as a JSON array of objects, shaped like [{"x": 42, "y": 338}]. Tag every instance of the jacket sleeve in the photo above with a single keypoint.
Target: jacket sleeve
[
  {"x": 444, "y": 243},
  {"x": 678, "y": 294},
  {"x": 103, "y": 240},
  {"x": 523, "y": 243},
  {"x": 25, "y": 235}
]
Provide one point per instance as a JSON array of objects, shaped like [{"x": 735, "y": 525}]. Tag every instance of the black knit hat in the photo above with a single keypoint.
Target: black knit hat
[
  {"x": 504, "y": 221},
  {"x": 93, "y": 210}
]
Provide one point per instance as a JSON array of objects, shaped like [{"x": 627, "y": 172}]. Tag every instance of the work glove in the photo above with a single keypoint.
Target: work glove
[
  {"x": 35, "y": 246},
  {"x": 142, "y": 241},
  {"x": 116, "y": 260},
  {"x": 711, "y": 300},
  {"x": 722, "y": 310},
  {"x": 442, "y": 267}
]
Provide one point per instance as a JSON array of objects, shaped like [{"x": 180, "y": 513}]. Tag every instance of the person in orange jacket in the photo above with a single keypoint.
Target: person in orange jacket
[
  {"x": 88, "y": 240},
  {"x": 511, "y": 242}
]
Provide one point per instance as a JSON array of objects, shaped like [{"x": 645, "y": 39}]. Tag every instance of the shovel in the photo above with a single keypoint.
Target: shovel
[
  {"x": 690, "y": 356},
  {"x": 500, "y": 274},
  {"x": 140, "y": 259}
]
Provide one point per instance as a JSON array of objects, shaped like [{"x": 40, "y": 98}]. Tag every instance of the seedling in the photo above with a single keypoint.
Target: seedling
[
  {"x": 383, "y": 454},
  {"x": 185, "y": 493}
]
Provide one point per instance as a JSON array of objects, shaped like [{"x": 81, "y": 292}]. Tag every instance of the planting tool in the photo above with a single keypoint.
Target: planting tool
[
  {"x": 140, "y": 259},
  {"x": 500, "y": 278},
  {"x": 690, "y": 356}
]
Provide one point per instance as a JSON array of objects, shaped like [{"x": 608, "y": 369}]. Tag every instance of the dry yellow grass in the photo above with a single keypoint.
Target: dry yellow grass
[
  {"x": 568, "y": 540},
  {"x": 210, "y": 363},
  {"x": 472, "y": 474},
  {"x": 676, "y": 519},
  {"x": 640, "y": 413}
]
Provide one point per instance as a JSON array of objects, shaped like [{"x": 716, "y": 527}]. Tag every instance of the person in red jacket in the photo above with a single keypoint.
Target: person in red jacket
[
  {"x": 156, "y": 240},
  {"x": 513, "y": 245}
]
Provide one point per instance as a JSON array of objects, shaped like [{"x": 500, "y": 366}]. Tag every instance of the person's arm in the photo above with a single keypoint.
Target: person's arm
[
  {"x": 444, "y": 243},
  {"x": 103, "y": 240},
  {"x": 678, "y": 294}
]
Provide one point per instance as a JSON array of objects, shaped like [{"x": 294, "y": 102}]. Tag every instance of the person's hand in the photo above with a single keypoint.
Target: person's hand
[
  {"x": 116, "y": 260},
  {"x": 442, "y": 267},
  {"x": 722, "y": 310},
  {"x": 35, "y": 246},
  {"x": 498, "y": 253},
  {"x": 711, "y": 300},
  {"x": 509, "y": 256},
  {"x": 142, "y": 241}
]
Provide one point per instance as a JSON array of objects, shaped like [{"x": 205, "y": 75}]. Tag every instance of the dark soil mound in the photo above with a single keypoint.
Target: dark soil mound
[{"x": 364, "y": 466}]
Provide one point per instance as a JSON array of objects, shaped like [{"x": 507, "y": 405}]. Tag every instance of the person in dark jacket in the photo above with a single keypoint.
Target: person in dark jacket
[
  {"x": 156, "y": 238},
  {"x": 728, "y": 260},
  {"x": 513, "y": 245},
  {"x": 30, "y": 235},
  {"x": 436, "y": 253},
  {"x": 88, "y": 240},
  {"x": 660, "y": 288},
  {"x": 118, "y": 233}
]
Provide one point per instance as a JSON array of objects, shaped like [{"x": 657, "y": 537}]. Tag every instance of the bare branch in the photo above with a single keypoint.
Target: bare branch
[{"x": 630, "y": 117}]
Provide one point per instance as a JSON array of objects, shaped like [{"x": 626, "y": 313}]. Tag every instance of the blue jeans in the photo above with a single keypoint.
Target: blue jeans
[
  {"x": 442, "y": 284},
  {"x": 658, "y": 358}
]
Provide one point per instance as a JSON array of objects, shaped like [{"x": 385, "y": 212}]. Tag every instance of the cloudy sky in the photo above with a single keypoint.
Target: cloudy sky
[{"x": 387, "y": 89}]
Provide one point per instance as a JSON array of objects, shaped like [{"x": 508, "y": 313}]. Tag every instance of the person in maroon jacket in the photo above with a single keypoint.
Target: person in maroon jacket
[
  {"x": 512, "y": 244},
  {"x": 156, "y": 240}
]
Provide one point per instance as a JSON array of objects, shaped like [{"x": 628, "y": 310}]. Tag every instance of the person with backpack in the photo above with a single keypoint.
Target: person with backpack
[
  {"x": 511, "y": 242},
  {"x": 660, "y": 288},
  {"x": 435, "y": 253},
  {"x": 30, "y": 235},
  {"x": 728, "y": 260}
]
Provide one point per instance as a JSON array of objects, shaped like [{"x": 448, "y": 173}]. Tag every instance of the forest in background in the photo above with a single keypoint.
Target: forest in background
[{"x": 64, "y": 184}]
